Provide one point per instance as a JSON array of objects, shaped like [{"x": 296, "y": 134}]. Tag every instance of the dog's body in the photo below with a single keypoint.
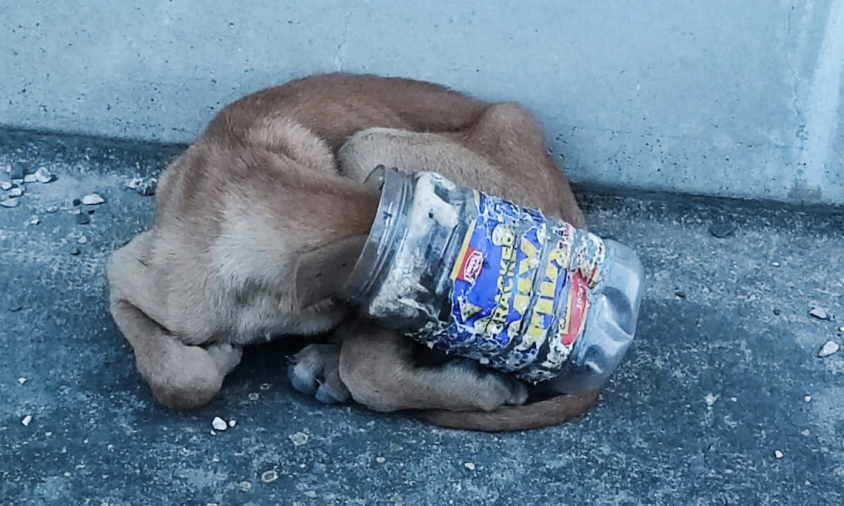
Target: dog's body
[{"x": 260, "y": 221}]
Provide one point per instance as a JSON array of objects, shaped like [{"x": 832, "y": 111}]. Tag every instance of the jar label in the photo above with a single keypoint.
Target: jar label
[{"x": 517, "y": 304}]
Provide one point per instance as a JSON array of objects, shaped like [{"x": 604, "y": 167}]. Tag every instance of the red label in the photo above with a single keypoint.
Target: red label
[
  {"x": 577, "y": 305},
  {"x": 473, "y": 264}
]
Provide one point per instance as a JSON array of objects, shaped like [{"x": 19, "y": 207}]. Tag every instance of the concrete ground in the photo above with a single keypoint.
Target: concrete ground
[{"x": 722, "y": 399}]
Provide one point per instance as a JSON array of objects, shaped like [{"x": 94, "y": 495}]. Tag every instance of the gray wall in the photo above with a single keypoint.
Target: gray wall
[{"x": 736, "y": 98}]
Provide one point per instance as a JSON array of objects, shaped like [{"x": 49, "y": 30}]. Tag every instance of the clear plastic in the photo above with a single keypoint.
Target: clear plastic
[{"x": 480, "y": 277}]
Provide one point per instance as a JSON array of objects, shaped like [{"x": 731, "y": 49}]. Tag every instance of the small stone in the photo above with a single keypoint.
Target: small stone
[
  {"x": 90, "y": 211},
  {"x": 470, "y": 466},
  {"x": 269, "y": 476},
  {"x": 145, "y": 187},
  {"x": 232, "y": 423},
  {"x": 254, "y": 396},
  {"x": 219, "y": 424},
  {"x": 82, "y": 240},
  {"x": 311, "y": 493},
  {"x": 52, "y": 209},
  {"x": 265, "y": 386},
  {"x": 722, "y": 229},
  {"x": 21, "y": 381},
  {"x": 29, "y": 178},
  {"x": 5, "y": 186},
  {"x": 92, "y": 199},
  {"x": 820, "y": 313},
  {"x": 43, "y": 175},
  {"x": 75, "y": 252},
  {"x": 299, "y": 439},
  {"x": 16, "y": 192},
  {"x": 778, "y": 454},
  {"x": 710, "y": 399},
  {"x": 76, "y": 202},
  {"x": 14, "y": 308},
  {"x": 807, "y": 398},
  {"x": 17, "y": 171},
  {"x": 805, "y": 432},
  {"x": 380, "y": 460},
  {"x": 26, "y": 420},
  {"x": 840, "y": 329},
  {"x": 777, "y": 312},
  {"x": 244, "y": 486},
  {"x": 775, "y": 264},
  {"x": 34, "y": 221},
  {"x": 681, "y": 294},
  {"x": 828, "y": 349},
  {"x": 9, "y": 203},
  {"x": 82, "y": 219}
]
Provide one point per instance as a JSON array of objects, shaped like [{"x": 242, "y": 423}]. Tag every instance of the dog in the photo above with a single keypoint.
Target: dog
[{"x": 260, "y": 221}]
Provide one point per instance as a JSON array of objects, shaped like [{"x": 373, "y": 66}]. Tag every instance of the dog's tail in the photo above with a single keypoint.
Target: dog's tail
[{"x": 544, "y": 413}]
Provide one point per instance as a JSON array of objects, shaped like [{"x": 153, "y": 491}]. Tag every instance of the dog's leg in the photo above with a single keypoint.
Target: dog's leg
[
  {"x": 180, "y": 376},
  {"x": 377, "y": 367},
  {"x": 502, "y": 153}
]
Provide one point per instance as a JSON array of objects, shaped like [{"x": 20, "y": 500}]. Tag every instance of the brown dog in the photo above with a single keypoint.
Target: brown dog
[{"x": 261, "y": 220}]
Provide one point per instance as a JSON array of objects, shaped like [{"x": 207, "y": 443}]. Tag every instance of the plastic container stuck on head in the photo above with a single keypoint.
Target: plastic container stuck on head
[{"x": 480, "y": 277}]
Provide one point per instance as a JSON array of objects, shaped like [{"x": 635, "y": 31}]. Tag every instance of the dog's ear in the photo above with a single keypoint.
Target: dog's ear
[{"x": 321, "y": 272}]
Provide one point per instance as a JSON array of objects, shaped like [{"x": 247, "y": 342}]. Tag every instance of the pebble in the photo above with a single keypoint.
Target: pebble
[
  {"x": 26, "y": 420},
  {"x": 470, "y": 466},
  {"x": 29, "y": 178},
  {"x": 21, "y": 381},
  {"x": 264, "y": 386},
  {"x": 43, "y": 175},
  {"x": 52, "y": 209},
  {"x": 380, "y": 460},
  {"x": 232, "y": 423},
  {"x": 75, "y": 252},
  {"x": 82, "y": 240},
  {"x": 15, "y": 308},
  {"x": 5, "y": 186},
  {"x": 777, "y": 312},
  {"x": 16, "y": 192},
  {"x": 299, "y": 439},
  {"x": 828, "y": 349},
  {"x": 219, "y": 424},
  {"x": 17, "y": 171},
  {"x": 269, "y": 476},
  {"x": 145, "y": 187},
  {"x": 76, "y": 202},
  {"x": 83, "y": 219},
  {"x": 680, "y": 293},
  {"x": 820, "y": 313},
  {"x": 245, "y": 486},
  {"x": 840, "y": 329},
  {"x": 92, "y": 199},
  {"x": 34, "y": 221},
  {"x": 254, "y": 396},
  {"x": 778, "y": 454},
  {"x": 807, "y": 398},
  {"x": 775, "y": 264},
  {"x": 9, "y": 203},
  {"x": 722, "y": 230}
]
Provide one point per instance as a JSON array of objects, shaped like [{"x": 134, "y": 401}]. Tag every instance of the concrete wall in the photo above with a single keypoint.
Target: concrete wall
[{"x": 724, "y": 97}]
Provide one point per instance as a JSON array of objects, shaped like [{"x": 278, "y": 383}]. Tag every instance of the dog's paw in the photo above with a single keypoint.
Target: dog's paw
[
  {"x": 226, "y": 356},
  {"x": 316, "y": 371}
]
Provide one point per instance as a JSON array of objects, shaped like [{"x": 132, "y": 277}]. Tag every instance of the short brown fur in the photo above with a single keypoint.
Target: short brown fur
[{"x": 261, "y": 219}]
